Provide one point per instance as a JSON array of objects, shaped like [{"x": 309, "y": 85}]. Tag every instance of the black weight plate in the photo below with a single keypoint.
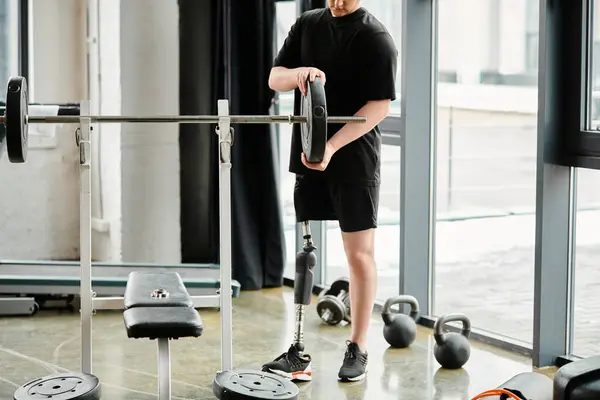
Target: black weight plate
[
  {"x": 314, "y": 131},
  {"x": 2, "y": 139},
  {"x": 67, "y": 386},
  {"x": 250, "y": 384},
  {"x": 336, "y": 308},
  {"x": 339, "y": 285},
  {"x": 15, "y": 119}
]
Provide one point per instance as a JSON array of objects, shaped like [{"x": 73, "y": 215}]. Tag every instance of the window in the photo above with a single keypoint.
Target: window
[
  {"x": 532, "y": 36},
  {"x": 593, "y": 83},
  {"x": 504, "y": 51},
  {"x": 286, "y": 16},
  {"x": 578, "y": 81},
  {"x": 9, "y": 41},
  {"x": 586, "y": 325},
  {"x": 389, "y": 12},
  {"x": 486, "y": 165}
]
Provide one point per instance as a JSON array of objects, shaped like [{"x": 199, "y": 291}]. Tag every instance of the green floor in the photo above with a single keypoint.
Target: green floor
[{"x": 263, "y": 322}]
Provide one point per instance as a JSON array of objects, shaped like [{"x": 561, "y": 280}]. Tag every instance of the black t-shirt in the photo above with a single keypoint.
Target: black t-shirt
[{"x": 359, "y": 59}]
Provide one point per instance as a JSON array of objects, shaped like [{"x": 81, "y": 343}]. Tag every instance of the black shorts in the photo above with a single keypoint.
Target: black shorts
[{"x": 354, "y": 205}]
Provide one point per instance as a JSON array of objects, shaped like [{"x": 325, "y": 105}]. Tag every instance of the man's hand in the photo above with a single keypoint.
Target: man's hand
[
  {"x": 329, "y": 152},
  {"x": 308, "y": 73}
]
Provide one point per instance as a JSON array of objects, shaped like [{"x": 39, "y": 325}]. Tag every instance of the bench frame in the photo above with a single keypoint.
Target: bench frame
[
  {"x": 164, "y": 368},
  {"x": 224, "y": 297}
]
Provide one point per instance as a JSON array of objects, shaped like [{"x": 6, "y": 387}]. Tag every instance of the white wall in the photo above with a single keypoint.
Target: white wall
[
  {"x": 39, "y": 216},
  {"x": 150, "y": 152},
  {"x": 105, "y": 85},
  {"x": 133, "y": 64}
]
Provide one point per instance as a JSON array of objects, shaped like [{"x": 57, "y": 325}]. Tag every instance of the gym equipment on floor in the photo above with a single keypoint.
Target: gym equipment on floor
[
  {"x": 23, "y": 283},
  {"x": 158, "y": 306},
  {"x": 228, "y": 383},
  {"x": 524, "y": 386},
  {"x": 70, "y": 385},
  {"x": 578, "y": 380},
  {"x": 26, "y": 281},
  {"x": 400, "y": 330},
  {"x": 452, "y": 350},
  {"x": 333, "y": 304}
]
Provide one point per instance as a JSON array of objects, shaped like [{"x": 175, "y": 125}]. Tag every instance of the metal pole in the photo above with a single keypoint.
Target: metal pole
[
  {"x": 85, "y": 235},
  {"x": 225, "y": 143},
  {"x": 189, "y": 119},
  {"x": 164, "y": 369}
]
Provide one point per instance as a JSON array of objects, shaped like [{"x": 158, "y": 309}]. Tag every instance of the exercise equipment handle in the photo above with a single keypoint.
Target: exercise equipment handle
[
  {"x": 386, "y": 313},
  {"x": 438, "y": 327}
]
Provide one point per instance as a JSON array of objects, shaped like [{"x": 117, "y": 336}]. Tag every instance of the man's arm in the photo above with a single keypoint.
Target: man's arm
[
  {"x": 282, "y": 79},
  {"x": 283, "y": 76},
  {"x": 375, "y": 111}
]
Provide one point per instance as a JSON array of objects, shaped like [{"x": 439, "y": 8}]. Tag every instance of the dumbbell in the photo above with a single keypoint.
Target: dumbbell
[{"x": 333, "y": 305}]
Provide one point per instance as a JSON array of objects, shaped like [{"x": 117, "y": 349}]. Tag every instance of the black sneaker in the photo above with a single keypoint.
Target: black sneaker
[
  {"x": 354, "y": 367},
  {"x": 291, "y": 365}
]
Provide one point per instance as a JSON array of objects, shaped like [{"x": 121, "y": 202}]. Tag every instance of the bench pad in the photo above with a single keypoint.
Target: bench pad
[
  {"x": 162, "y": 322},
  {"x": 141, "y": 285}
]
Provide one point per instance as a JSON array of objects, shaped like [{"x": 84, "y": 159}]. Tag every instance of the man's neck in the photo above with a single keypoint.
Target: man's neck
[{"x": 348, "y": 13}]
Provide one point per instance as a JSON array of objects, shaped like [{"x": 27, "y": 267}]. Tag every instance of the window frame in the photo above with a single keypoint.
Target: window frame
[
  {"x": 574, "y": 144},
  {"x": 23, "y": 39}
]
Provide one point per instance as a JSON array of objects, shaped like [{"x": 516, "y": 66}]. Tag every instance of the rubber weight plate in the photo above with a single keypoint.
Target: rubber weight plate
[
  {"x": 67, "y": 386},
  {"x": 15, "y": 119},
  {"x": 2, "y": 138},
  {"x": 250, "y": 384},
  {"x": 314, "y": 131}
]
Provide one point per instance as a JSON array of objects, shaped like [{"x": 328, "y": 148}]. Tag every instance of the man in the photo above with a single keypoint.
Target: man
[{"x": 356, "y": 59}]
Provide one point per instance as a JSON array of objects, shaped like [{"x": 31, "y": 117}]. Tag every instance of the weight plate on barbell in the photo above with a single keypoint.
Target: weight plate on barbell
[
  {"x": 67, "y": 386},
  {"x": 314, "y": 131},
  {"x": 250, "y": 384},
  {"x": 15, "y": 120}
]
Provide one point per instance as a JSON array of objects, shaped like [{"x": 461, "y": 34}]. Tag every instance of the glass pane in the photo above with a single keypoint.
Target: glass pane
[
  {"x": 286, "y": 16},
  {"x": 8, "y": 41},
  {"x": 387, "y": 236},
  {"x": 586, "y": 317},
  {"x": 486, "y": 163},
  {"x": 389, "y": 13},
  {"x": 593, "y": 82}
]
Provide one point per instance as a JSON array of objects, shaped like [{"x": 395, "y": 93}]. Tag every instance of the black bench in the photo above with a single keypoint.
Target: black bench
[{"x": 158, "y": 306}]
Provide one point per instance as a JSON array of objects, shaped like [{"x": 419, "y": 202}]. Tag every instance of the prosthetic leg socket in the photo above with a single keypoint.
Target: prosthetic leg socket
[{"x": 306, "y": 260}]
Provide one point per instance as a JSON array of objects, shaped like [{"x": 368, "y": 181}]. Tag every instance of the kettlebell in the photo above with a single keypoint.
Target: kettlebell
[
  {"x": 400, "y": 330},
  {"x": 452, "y": 350}
]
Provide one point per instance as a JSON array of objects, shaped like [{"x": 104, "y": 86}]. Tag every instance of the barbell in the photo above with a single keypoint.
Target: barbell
[{"x": 314, "y": 120}]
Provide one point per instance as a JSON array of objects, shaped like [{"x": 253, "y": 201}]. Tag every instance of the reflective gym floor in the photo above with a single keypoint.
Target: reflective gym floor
[{"x": 32, "y": 347}]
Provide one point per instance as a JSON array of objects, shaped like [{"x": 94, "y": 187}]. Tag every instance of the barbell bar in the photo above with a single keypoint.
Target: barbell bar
[
  {"x": 313, "y": 120},
  {"x": 185, "y": 119}
]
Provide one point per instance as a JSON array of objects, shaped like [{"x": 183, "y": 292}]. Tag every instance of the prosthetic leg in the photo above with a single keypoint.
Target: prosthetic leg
[
  {"x": 295, "y": 364},
  {"x": 306, "y": 260}
]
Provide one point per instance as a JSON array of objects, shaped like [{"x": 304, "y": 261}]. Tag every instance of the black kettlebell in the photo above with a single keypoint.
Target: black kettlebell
[
  {"x": 400, "y": 330},
  {"x": 452, "y": 350}
]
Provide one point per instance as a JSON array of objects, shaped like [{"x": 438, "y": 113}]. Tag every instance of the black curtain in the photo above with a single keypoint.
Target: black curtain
[
  {"x": 197, "y": 142},
  {"x": 242, "y": 56}
]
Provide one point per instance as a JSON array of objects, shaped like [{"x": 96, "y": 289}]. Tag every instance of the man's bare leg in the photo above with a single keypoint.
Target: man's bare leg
[{"x": 360, "y": 253}]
